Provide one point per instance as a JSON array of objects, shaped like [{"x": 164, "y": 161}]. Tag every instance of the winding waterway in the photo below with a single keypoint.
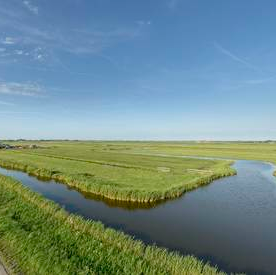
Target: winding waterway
[{"x": 231, "y": 222}]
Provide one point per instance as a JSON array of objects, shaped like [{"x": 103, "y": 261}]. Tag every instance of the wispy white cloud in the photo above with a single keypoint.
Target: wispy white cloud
[
  {"x": 259, "y": 81},
  {"x": 6, "y": 103},
  {"x": 53, "y": 39},
  {"x": 21, "y": 89},
  {"x": 143, "y": 22},
  {"x": 86, "y": 41},
  {"x": 19, "y": 52},
  {"x": 43, "y": 46},
  {"x": 31, "y": 7},
  {"x": 39, "y": 46},
  {"x": 267, "y": 76},
  {"x": 8, "y": 41},
  {"x": 236, "y": 58}
]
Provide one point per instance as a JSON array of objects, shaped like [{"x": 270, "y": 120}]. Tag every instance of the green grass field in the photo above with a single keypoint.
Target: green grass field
[
  {"x": 232, "y": 150},
  {"x": 116, "y": 171},
  {"x": 38, "y": 237}
]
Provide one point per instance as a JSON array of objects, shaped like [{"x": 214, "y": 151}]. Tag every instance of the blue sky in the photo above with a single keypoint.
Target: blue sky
[{"x": 148, "y": 69}]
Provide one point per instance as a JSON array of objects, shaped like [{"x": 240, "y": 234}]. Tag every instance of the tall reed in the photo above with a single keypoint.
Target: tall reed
[{"x": 38, "y": 237}]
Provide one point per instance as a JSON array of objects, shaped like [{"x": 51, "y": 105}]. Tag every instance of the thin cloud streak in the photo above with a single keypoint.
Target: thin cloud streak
[
  {"x": 236, "y": 58},
  {"x": 8, "y": 41},
  {"x": 6, "y": 103},
  {"x": 29, "y": 43},
  {"x": 41, "y": 46},
  {"x": 260, "y": 81},
  {"x": 248, "y": 65},
  {"x": 76, "y": 41},
  {"x": 33, "y": 9},
  {"x": 21, "y": 89}
]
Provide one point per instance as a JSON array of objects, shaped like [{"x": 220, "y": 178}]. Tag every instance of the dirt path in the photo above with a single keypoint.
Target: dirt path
[{"x": 2, "y": 269}]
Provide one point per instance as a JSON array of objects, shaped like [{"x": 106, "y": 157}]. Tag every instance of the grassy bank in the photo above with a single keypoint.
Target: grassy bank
[
  {"x": 116, "y": 175},
  {"x": 38, "y": 237}
]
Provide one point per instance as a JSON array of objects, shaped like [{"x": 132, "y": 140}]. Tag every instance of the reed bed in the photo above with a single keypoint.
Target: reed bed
[
  {"x": 115, "y": 171},
  {"x": 39, "y": 237},
  {"x": 110, "y": 189}
]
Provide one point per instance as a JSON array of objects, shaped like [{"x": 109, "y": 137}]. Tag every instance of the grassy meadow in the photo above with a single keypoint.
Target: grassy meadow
[
  {"x": 39, "y": 237},
  {"x": 231, "y": 150},
  {"x": 119, "y": 171}
]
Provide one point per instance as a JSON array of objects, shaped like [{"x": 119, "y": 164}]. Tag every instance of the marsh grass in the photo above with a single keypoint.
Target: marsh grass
[
  {"x": 113, "y": 171},
  {"x": 113, "y": 190},
  {"x": 39, "y": 237}
]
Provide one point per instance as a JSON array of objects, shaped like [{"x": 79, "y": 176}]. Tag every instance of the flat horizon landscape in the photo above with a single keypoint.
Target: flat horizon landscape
[
  {"x": 127, "y": 175},
  {"x": 137, "y": 137}
]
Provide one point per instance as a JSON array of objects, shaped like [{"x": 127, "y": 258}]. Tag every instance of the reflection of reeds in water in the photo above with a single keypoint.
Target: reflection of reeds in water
[
  {"x": 99, "y": 187},
  {"x": 129, "y": 205}
]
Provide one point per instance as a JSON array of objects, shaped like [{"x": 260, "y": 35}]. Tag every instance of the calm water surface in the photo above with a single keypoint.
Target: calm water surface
[{"x": 231, "y": 222}]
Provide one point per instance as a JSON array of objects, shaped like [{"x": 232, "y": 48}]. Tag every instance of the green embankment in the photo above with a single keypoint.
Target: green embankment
[
  {"x": 38, "y": 237},
  {"x": 116, "y": 174}
]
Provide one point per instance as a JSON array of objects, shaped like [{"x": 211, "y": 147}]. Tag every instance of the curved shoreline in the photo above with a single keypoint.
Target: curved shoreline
[
  {"x": 214, "y": 158},
  {"x": 117, "y": 217},
  {"x": 26, "y": 211},
  {"x": 110, "y": 193}
]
